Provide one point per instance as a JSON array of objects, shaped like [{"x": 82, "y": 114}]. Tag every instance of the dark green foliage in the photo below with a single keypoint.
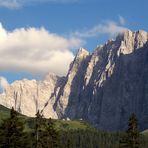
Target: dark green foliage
[
  {"x": 44, "y": 135},
  {"x": 50, "y": 136},
  {"x": 4, "y": 113},
  {"x": 133, "y": 133},
  {"x": 131, "y": 139},
  {"x": 89, "y": 138},
  {"x": 62, "y": 134},
  {"x": 38, "y": 130},
  {"x": 123, "y": 140},
  {"x": 11, "y": 132}
]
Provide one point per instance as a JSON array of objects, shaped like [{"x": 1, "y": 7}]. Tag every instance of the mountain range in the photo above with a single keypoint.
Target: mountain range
[{"x": 104, "y": 87}]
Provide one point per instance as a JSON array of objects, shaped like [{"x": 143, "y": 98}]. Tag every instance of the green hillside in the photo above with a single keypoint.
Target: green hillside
[
  {"x": 78, "y": 133},
  {"x": 59, "y": 124},
  {"x": 145, "y": 133},
  {"x": 4, "y": 112}
]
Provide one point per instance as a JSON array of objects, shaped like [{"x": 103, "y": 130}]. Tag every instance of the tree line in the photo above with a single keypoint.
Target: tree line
[
  {"x": 13, "y": 135},
  {"x": 44, "y": 135}
]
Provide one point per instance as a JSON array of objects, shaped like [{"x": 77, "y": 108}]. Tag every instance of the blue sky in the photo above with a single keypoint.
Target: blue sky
[{"x": 77, "y": 22}]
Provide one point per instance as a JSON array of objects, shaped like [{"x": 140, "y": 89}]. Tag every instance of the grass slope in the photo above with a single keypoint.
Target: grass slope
[
  {"x": 59, "y": 124},
  {"x": 4, "y": 113},
  {"x": 145, "y": 133},
  {"x": 77, "y": 131}
]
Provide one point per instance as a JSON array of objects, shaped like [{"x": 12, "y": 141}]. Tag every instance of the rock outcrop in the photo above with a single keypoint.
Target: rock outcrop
[
  {"x": 110, "y": 84},
  {"x": 28, "y": 96},
  {"x": 104, "y": 87}
]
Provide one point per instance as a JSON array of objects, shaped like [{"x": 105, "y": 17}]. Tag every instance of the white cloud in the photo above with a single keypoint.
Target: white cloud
[
  {"x": 13, "y": 4},
  {"x": 122, "y": 20},
  {"x": 3, "y": 84},
  {"x": 36, "y": 50},
  {"x": 10, "y": 3},
  {"x": 109, "y": 27}
]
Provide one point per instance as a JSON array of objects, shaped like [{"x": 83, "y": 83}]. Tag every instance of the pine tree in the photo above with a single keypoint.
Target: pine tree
[
  {"x": 132, "y": 136},
  {"x": 51, "y": 136},
  {"x": 11, "y": 131},
  {"x": 132, "y": 132},
  {"x": 38, "y": 126}
]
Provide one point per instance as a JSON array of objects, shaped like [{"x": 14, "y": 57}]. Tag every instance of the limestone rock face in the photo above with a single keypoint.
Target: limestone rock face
[
  {"x": 110, "y": 84},
  {"x": 103, "y": 87},
  {"x": 77, "y": 68},
  {"x": 28, "y": 96}
]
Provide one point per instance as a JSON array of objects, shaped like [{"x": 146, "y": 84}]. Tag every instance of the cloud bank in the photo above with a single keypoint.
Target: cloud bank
[
  {"x": 38, "y": 51},
  {"x": 110, "y": 28},
  {"x": 35, "y": 50}
]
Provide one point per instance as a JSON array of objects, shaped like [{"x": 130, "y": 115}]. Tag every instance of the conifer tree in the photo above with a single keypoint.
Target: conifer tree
[
  {"x": 51, "y": 136},
  {"x": 38, "y": 126},
  {"x": 132, "y": 132},
  {"x": 132, "y": 136},
  {"x": 11, "y": 131}
]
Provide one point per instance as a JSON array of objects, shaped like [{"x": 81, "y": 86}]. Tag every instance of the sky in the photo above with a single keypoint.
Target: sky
[{"x": 41, "y": 36}]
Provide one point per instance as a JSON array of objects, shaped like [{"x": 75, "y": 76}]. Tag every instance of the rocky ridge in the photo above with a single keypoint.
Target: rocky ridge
[
  {"x": 104, "y": 87},
  {"x": 28, "y": 96}
]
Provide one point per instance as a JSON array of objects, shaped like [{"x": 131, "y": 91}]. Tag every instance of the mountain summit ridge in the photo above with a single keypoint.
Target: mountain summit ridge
[{"x": 103, "y": 87}]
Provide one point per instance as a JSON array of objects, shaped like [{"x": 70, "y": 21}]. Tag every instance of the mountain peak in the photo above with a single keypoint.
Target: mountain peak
[
  {"x": 81, "y": 54},
  {"x": 141, "y": 32},
  {"x": 129, "y": 33},
  {"x": 82, "y": 51},
  {"x": 50, "y": 76},
  {"x": 132, "y": 40},
  {"x": 107, "y": 85}
]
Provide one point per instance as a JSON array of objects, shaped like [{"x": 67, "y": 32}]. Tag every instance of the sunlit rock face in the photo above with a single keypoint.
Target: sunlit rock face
[
  {"x": 74, "y": 82},
  {"x": 109, "y": 84},
  {"x": 28, "y": 96},
  {"x": 103, "y": 87}
]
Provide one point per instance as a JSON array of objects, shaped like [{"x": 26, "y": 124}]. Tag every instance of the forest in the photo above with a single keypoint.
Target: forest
[{"x": 18, "y": 131}]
